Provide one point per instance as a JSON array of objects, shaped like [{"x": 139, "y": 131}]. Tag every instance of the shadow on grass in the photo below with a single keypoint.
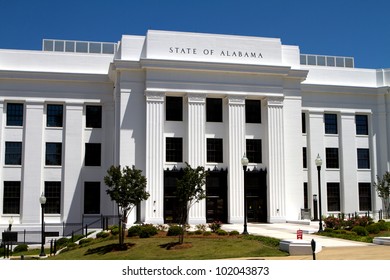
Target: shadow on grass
[
  {"x": 176, "y": 245},
  {"x": 102, "y": 250}
]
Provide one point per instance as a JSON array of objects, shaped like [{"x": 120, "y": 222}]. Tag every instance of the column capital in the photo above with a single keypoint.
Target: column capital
[
  {"x": 196, "y": 98},
  {"x": 236, "y": 100},
  {"x": 153, "y": 96},
  {"x": 275, "y": 101}
]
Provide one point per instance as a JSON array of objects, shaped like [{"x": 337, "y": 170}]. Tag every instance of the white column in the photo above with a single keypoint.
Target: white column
[
  {"x": 32, "y": 162},
  {"x": 276, "y": 169},
  {"x": 197, "y": 147},
  {"x": 72, "y": 160},
  {"x": 237, "y": 147},
  {"x": 349, "y": 194},
  {"x": 154, "y": 211}
]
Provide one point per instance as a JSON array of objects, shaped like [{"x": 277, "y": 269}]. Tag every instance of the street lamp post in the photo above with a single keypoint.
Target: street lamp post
[
  {"x": 10, "y": 222},
  {"x": 318, "y": 162},
  {"x": 244, "y": 162},
  {"x": 42, "y": 201},
  {"x": 315, "y": 206}
]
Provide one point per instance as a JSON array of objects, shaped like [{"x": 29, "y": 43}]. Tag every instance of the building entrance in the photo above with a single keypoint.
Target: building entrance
[
  {"x": 256, "y": 196},
  {"x": 216, "y": 196}
]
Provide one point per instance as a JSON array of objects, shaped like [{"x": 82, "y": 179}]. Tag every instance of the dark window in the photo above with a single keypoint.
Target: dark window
[
  {"x": 303, "y": 116},
  {"x": 174, "y": 108},
  {"x": 361, "y": 124},
  {"x": 363, "y": 157},
  {"x": 54, "y": 115},
  {"x": 53, "y": 154},
  {"x": 14, "y": 114},
  {"x": 333, "y": 194},
  {"x": 93, "y": 116},
  {"x": 304, "y": 155},
  {"x": 174, "y": 149},
  {"x": 364, "y": 197},
  {"x": 213, "y": 109},
  {"x": 13, "y": 153},
  {"x": 305, "y": 196},
  {"x": 253, "y": 150},
  {"x": 214, "y": 150},
  {"x": 53, "y": 197},
  {"x": 253, "y": 111},
  {"x": 330, "y": 123},
  {"x": 91, "y": 197},
  {"x": 93, "y": 152},
  {"x": 332, "y": 158},
  {"x": 11, "y": 197}
]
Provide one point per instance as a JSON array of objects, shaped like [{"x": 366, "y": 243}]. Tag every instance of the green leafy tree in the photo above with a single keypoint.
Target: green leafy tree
[
  {"x": 127, "y": 187},
  {"x": 382, "y": 187},
  {"x": 190, "y": 190}
]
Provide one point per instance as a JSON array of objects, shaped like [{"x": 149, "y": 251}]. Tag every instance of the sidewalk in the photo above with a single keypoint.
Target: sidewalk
[{"x": 332, "y": 248}]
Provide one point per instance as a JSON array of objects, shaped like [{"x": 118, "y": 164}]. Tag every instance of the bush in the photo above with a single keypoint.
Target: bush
[
  {"x": 134, "y": 231},
  {"x": 175, "y": 230},
  {"x": 77, "y": 237},
  {"x": 328, "y": 229},
  {"x": 62, "y": 242},
  {"x": 361, "y": 231},
  {"x": 85, "y": 241},
  {"x": 207, "y": 233},
  {"x": 198, "y": 231},
  {"x": 147, "y": 231},
  {"x": 221, "y": 232},
  {"x": 382, "y": 225},
  {"x": 201, "y": 227},
  {"x": 214, "y": 226},
  {"x": 102, "y": 234},
  {"x": 115, "y": 231},
  {"x": 373, "y": 228},
  {"x": 234, "y": 232},
  {"x": 21, "y": 248}
]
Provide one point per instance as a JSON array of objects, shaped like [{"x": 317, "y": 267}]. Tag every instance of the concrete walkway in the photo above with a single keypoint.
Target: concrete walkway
[{"x": 332, "y": 248}]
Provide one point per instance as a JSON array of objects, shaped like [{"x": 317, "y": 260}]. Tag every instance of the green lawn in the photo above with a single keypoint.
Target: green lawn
[{"x": 154, "y": 248}]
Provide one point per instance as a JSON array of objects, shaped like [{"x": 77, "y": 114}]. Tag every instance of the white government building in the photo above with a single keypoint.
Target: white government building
[{"x": 70, "y": 111}]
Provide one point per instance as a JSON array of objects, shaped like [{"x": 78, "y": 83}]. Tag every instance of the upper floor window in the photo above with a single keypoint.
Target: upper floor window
[
  {"x": 53, "y": 154},
  {"x": 15, "y": 114},
  {"x": 53, "y": 197},
  {"x": 173, "y": 108},
  {"x": 214, "y": 150},
  {"x": 333, "y": 196},
  {"x": 93, "y": 116},
  {"x": 91, "y": 197},
  {"x": 174, "y": 149},
  {"x": 365, "y": 197},
  {"x": 304, "y": 155},
  {"x": 253, "y": 111},
  {"x": 332, "y": 157},
  {"x": 54, "y": 115},
  {"x": 330, "y": 123},
  {"x": 363, "y": 157},
  {"x": 214, "y": 110},
  {"x": 303, "y": 120},
  {"x": 361, "y": 122},
  {"x": 253, "y": 150},
  {"x": 11, "y": 197},
  {"x": 93, "y": 153},
  {"x": 13, "y": 153}
]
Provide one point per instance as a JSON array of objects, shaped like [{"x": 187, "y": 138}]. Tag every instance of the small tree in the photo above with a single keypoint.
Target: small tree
[
  {"x": 127, "y": 187},
  {"x": 382, "y": 187},
  {"x": 189, "y": 191}
]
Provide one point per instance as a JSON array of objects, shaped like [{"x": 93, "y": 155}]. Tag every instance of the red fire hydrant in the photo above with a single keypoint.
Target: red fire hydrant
[{"x": 299, "y": 234}]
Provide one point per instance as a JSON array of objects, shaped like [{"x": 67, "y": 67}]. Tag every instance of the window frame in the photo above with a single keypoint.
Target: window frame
[
  {"x": 361, "y": 123},
  {"x": 174, "y": 108},
  {"x": 11, "y": 199},
  {"x": 13, "y": 155},
  {"x": 254, "y": 150},
  {"x": 214, "y": 110},
  {"x": 253, "y": 111},
  {"x": 15, "y": 114},
  {"x": 54, "y": 118},
  {"x": 331, "y": 125},
  {"x": 332, "y": 158},
  {"x": 214, "y": 150},
  {"x": 53, "y": 157},
  {"x": 93, "y": 154},
  {"x": 92, "y": 199},
  {"x": 93, "y": 119},
  {"x": 53, "y": 197},
  {"x": 363, "y": 158},
  {"x": 365, "y": 196},
  {"x": 333, "y": 196},
  {"x": 173, "y": 149}
]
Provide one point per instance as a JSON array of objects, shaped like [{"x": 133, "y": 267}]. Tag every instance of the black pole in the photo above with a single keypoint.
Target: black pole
[
  {"x": 245, "y": 206},
  {"x": 42, "y": 254},
  {"x": 313, "y": 249},
  {"x": 315, "y": 206},
  {"x": 319, "y": 197}
]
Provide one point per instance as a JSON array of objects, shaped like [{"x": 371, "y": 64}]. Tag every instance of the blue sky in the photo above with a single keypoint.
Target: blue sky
[{"x": 357, "y": 28}]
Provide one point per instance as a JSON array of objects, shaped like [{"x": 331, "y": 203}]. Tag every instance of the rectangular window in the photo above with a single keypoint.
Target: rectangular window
[
  {"x": 253, "y": 111},
  {"x": 304, "y": 155},
  {"x": 363, "y": 157},
  {"x": 13, "y": 153},
  {"x": 253, "y": 150},
  {"x": 11, "y": 197},
  {"x": 332, "y": 157},
  {"x": 92, "y": 198},
  {"x": 53, "y": 197},
  {"x": 214, "y": 150},
  {"x": 15, "y": 114},
  {"x": 53, "y": 154},
  {"x": 364, "y": 196},
  {"x": 93, "y": 116},
  {"x": 93, "y": 154},
  {"x": 361, "y": 122},
  {"x": 305, "y": 196},
  {"x": 54, "y": 115},
  {"x": 173, "y": 108},
  {"x": 303, "y": 116},
  {"x": 214, "y": 109},
  {"x": 333, "y": 195},
  {"x": 174, "y": 149},
  {"x": 330, "y": 123}
]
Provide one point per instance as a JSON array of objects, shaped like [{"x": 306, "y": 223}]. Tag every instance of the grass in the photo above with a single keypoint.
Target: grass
[{"x": 155, "y": 248}]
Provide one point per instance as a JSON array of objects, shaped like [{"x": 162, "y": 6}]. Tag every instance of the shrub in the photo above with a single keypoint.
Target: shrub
[
  {"x": 382, "y": 225},
  {"x": 201, "y": 227},
  {"x": 198, "y": 231},
  {"x": 77, "y": 237},
  {"x": 234, "y": 232},
  {"x": 62, "y": 242},
  {"x": 115, "y": 231},
  {"x": 134, "y": 231},
  {"x": 102, "y": 234},
  {"x": 221, "y": 232},
  {"x": 207, "y": 233},
  {"x": 21, "y": 248},
  {"x": 147, "y": 231},
  {"x": 373, "y": 228},
  {"x": 161, "y": 227},
  {"x": 328, "y": 229},
  {"x": 175, "y": 230},
  {"x": 214, "y": 226},
  {"x": 85, "y": 241},
  {"x": 361, "y": 231}
]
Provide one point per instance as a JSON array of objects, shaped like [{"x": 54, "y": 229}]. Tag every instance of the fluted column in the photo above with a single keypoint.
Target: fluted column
[
  {"x": 236, "y": 111},
  {"x": 197, "y": 147},
  {"x": 276, "y": 172},
  {"x": 155, "y": 157}
]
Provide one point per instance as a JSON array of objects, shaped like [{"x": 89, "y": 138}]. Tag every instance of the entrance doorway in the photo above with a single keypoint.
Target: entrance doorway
[
  {"x": 256, "y": 196},
  {"x": 216, "y": 196}
]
